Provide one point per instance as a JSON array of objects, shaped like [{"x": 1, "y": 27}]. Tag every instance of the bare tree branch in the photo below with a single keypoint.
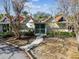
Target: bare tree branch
[
  {"x": 17, "y": 6},
  {"x": 7, "y": 6}
]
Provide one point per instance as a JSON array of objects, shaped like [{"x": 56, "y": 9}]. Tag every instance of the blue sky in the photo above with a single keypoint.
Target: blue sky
[{"x": 37, "y": 5}]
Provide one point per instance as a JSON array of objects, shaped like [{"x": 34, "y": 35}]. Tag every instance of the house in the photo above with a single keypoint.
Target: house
[
  {"x": 60, "y": 24},
  {"x": 52, "y": 24},
  {"x": 4, "y": 24},
  {"x": 39, "y": 26}
]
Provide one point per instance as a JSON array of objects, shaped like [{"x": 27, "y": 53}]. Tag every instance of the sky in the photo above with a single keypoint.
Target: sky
[{"x": 34, "y": 6}]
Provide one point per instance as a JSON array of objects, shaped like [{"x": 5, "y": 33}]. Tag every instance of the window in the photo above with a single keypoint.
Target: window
[
  {"x": 40, "y": 28},
  {"x": 5, "y": 27}
]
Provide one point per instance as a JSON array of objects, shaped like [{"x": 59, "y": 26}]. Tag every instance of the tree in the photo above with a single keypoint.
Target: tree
[
  {"x": 25, "y": 13},
  {"x": 1, "y": 16},
  {"x": 64, "y": 9},
  {"x": 72, "y": 7},
  {"x": 75, "y": 13},
  {"x": 17, "y": 6},
  {"x": 41, "y": 16}
]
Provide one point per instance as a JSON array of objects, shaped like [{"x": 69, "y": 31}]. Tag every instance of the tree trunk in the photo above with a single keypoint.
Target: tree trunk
[
  {"x": 15, "y": 27},
  {"x": 18, "y": 26},
  {"x": 76, "y": 27},
  {"x": 17, "y": 35}
]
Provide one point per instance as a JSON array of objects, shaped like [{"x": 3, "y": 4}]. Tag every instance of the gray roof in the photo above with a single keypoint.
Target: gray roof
[{"x": 4, "y": 20}]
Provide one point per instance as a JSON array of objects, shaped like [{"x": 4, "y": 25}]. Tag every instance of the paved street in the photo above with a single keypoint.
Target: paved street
[{"x": 10, "y": 52}]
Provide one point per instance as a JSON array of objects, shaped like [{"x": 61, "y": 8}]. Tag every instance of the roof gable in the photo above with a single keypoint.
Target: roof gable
[{"x": 59, "y": 18}]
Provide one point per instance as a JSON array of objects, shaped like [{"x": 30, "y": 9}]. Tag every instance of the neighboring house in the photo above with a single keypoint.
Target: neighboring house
[
  {"x": 4, "y": 24},
  {"x": 60, "y": 24},
  {"x": 54, "y": 24}
]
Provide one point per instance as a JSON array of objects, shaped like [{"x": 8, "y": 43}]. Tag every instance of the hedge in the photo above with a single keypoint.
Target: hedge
[{"x": 60, "y": 34}]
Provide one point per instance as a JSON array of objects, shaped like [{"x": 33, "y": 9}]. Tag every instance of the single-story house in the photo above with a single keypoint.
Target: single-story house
[
  {"x": 41, "y": 27},
  {"x": 4, "y": 24}
]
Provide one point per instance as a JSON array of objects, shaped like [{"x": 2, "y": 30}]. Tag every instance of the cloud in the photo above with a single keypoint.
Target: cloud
[
  {"x": 35, "y": 0},
  {"x": 34, "y": 8},
  {"x": 31, "y": 5},
  {"x": 27, "y": 4}
]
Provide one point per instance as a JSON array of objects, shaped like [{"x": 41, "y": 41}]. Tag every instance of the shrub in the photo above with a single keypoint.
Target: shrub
[
  {"x": 60, "y": 34},
  {"x": 6, "y": 34},
  {"x": 27, "y": 33}
]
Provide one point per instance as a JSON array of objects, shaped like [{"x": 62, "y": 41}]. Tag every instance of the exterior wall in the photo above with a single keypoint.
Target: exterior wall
[
  {"x": 1, "y": 28},
  {"x": 4, "y": 27},
  {"x": 51, "y": 26}
]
